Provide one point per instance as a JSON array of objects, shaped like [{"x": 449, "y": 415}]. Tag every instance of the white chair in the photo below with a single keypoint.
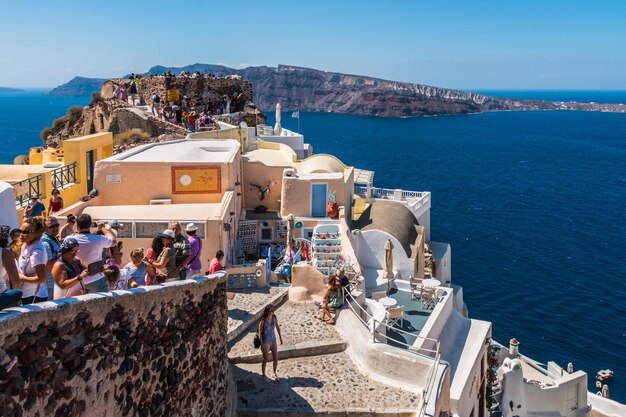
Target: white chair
[
  {"x": 429, "y": 297},
  {"x": 395, "y": 315},
  {"x": 416, "y": 287},
  {"x": 377, "y": 295}
]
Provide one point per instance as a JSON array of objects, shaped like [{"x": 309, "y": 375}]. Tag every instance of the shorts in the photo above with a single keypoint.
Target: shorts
[{"x": 266, "y": 347}]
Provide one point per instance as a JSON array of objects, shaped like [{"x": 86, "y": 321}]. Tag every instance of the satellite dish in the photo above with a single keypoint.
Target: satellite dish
[{"x": 20, "y": 160}]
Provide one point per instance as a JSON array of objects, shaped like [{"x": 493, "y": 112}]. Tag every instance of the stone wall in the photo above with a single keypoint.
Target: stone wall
[{"x": 152, "y": 351}]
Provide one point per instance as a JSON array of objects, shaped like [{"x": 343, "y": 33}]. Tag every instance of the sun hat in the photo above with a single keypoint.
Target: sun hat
[
  {"x": 191, "y": 227},
  {"x": 167, "y": 233}
]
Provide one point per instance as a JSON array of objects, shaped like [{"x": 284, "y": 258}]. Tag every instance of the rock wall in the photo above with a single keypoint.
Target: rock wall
[
  {"x": 156, "y": 351},
  {"x": 198, "y": 89}
]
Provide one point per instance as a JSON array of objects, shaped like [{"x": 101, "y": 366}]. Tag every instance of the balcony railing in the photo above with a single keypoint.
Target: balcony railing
[
  {"x": 391, "y": 194},
  {"x": 64, "y": 177},
  {"x": 24, "y": 189}
]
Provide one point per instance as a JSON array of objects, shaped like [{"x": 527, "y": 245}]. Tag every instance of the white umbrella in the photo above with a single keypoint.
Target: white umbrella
[{"x": 388, "y": 271}]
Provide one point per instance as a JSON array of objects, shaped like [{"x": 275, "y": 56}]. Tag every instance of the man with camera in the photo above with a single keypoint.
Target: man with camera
[{"x": 90, "y": 247}]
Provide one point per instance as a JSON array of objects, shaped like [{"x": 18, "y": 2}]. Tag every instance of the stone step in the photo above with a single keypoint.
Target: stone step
[
  {"x": 298, "y": 350},
  {"x": 253, "y": 316},
  {"x": 343, "y": 412}
]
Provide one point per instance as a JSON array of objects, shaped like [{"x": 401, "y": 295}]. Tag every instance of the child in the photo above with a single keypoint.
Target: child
[
  {"x": 137, "y": 268},
  {"x": 117, "y": 279}
]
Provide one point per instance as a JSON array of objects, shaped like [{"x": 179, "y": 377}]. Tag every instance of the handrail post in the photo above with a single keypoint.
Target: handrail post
[{"x": 373, "y": 330}]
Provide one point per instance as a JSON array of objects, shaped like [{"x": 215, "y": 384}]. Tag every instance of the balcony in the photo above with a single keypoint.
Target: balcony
[{"x": 417, "y": 201}]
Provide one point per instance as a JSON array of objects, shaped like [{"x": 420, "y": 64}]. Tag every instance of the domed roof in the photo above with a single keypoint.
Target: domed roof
[{"x": 391, "y": 217}]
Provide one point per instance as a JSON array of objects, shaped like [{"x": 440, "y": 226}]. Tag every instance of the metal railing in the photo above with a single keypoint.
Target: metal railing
[
  {"x": 430, "y": 383},
  {"x": 358, "y": 189},
  {"x": 392, "y": 194},
  {"x": 64, "y": 177},
  {"x": 24, "y": 189}
]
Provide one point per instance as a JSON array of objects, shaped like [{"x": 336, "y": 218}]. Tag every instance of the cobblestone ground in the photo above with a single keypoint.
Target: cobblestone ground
[
  {"x": 315, "y": 383},
  {"x": 248, "y": 301},
  {"x": 298, "y": 323}
]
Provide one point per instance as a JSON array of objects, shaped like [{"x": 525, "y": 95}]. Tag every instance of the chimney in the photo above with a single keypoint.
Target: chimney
[{"x": 514, "y": 347}]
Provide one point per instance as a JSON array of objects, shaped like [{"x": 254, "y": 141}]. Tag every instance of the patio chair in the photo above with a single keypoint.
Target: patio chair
[
  {"x": 429, "y": 297},
  {"x": 416, "y": 287},
  {"x": 377, "y": 295},
  {"x": 395, "y": 315}
]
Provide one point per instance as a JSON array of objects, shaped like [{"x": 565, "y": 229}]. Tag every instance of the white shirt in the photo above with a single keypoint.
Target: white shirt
[
  {"x": 90, "y": 248},
  {"x": 30, "y": 257}
]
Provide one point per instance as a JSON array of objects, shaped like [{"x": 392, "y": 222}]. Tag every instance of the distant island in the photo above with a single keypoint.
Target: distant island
[
  {"x": 11, "y": 90},
  {"x": 307, "y": 89}
]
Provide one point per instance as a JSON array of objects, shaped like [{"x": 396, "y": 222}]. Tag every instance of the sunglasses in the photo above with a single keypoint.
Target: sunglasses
[
  {"x": 52, "y": 226},
  {"x": 25, "y": 232}
]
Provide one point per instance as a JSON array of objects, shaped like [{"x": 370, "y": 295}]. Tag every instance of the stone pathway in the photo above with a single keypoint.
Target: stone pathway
[
  {"x": 298, "y": 323},
  {"x": 247, "y": 303},
  {"x": 317, "y": 383}
]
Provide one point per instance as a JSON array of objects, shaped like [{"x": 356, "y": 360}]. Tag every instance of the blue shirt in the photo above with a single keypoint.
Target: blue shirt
[
  {"x": 138, "y": 274},
  {"x": 52, "y": 245},
  {"x": 268, "y": 331},
  {"x": 38, "y": 209}
]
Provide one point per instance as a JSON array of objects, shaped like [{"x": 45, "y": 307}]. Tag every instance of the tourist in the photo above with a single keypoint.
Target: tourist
[
  {"x": 195, "y": 251},
  {"x": 156, "y": 102},
  {"x": 112, "y": 276},
  {"x": 51, "y": 243},
  {"x": 133, "y": 93},
  {"x": 289, "y": 257},
  {"x": 182, "y": 250},
  {"x": 16, "y": 243},
  {"x": 68, "y": 272},
  {"x": 10, "y": 295},
  {"x": 68, "y": 228},
  {"x": 216, "y": 263},
  {"x": 90, "y": 250},
  {"x": 35, "y": 208},
  {"x": 114, "y": 254},
  {"x": 266, "y": 331},
  {"x": 152, "y": 277},
  {"x": 165, "y": 264},
  {"x": 56, "y": 202},
  {"x": 137, "y": 268},
  {"x": 32, "y": 262},
  {"x": 333, "y": 299}
]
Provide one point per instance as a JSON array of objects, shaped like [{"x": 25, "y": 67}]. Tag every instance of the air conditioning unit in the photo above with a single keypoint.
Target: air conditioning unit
[{"x": 160, "y": 201}]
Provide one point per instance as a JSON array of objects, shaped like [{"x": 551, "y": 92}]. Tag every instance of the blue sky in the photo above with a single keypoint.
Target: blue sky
[{"x": 458, "y": 44}]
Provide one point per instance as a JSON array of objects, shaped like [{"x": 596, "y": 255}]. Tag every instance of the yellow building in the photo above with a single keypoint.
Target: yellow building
[{"x": 69, "y": 169}]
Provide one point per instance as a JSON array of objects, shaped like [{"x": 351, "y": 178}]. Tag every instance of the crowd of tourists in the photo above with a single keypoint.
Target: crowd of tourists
[
  {"x": 189, "y": 113},
  {"x": 83, "y": 257}
]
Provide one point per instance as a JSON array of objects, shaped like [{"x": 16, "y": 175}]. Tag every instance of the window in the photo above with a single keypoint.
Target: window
[{"x": 267, "y": 234}]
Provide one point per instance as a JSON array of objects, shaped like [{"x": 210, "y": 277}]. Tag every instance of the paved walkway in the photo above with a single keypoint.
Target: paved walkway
[
  {"x": 315, "y": 384},
  {"x": 246, "y": 303},
  {"x": 298, "y": 323}
]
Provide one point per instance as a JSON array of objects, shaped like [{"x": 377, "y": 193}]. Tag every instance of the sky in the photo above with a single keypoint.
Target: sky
[{"x": 465, "y": 44}]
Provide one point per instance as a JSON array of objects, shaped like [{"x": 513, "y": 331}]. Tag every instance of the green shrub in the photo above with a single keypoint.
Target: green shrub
[
  {"x": 130, "y": 136},
  {"x": 57, "y": 124},
  {"x": 96, "y": 98},
  {"x": 74, "y": 113},
  {"x": 45, "y": 132}
]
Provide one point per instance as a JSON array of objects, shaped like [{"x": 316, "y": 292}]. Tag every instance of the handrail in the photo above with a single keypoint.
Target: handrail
[
  {"x": 427, "y": 390},
  {"x": 63, "y": 176},
  {"x": 22, "y": 197}
]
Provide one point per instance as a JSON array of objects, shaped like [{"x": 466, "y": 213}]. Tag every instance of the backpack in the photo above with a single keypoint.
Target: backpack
[{"x": 156, "y": 98}]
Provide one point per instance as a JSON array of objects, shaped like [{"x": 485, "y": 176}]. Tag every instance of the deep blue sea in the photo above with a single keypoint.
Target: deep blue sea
[{"x": 533, "y": 204}]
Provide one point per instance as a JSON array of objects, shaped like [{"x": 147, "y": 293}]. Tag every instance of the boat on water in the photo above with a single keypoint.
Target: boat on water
[{"x": 250, "y": 190}]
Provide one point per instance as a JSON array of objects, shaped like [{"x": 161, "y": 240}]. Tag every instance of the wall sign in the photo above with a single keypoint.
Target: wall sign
[
  {"x": 113, "y": 178},
  {"x": 196, "y": 180}
]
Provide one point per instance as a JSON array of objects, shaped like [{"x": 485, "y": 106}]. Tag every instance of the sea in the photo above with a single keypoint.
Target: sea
[{"x": 533, "y": 204}]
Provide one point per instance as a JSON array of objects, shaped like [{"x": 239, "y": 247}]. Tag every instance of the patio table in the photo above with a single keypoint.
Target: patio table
[
  {"x": 387, "y": 302},
  {"x": 431, "y": 283}
]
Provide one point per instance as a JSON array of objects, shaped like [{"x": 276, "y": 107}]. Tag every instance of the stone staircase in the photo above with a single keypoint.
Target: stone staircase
[{"x": 315, "y": 374}]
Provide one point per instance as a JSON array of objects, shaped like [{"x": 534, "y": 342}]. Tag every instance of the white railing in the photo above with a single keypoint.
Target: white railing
[
  {"x": 430, "y": 384},
  {"x": 388, "y": 193}
]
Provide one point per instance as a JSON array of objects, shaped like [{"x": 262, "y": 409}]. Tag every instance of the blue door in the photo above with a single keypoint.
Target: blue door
[{"x": 318, "y": 200}]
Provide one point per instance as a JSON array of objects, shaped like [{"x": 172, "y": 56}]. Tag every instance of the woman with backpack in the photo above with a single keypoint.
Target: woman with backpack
[{"x": 266, "y": 333}]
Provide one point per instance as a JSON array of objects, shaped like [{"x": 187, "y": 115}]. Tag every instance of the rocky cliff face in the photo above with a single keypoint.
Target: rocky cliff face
[{"x": 313, "y": 90}]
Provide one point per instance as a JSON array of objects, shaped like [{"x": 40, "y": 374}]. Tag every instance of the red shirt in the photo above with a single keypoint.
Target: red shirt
[{"x": 214, "y": 266}]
